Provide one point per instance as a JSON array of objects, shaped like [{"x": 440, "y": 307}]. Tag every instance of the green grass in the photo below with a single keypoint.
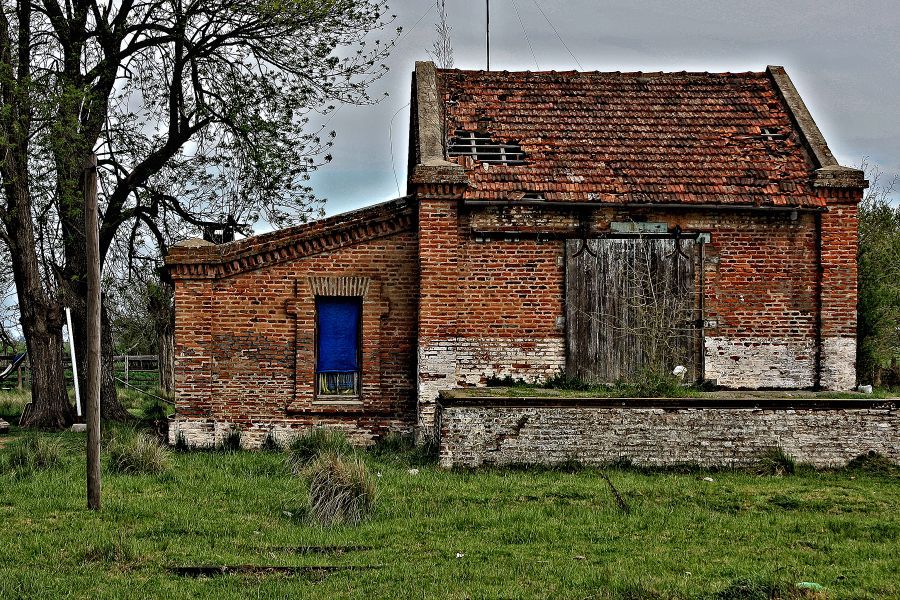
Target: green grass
[{"x": 522, "y": 533}]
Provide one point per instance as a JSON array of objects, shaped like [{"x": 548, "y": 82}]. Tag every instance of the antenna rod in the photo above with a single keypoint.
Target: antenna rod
[{"x": 487, "y": 27}]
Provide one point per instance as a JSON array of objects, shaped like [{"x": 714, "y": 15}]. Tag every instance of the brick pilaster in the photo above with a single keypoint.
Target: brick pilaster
[{"x": 839, "y": 247}]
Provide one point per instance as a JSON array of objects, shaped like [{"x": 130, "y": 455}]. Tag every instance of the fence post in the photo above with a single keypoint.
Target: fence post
[{"x": 126, "y": 369}]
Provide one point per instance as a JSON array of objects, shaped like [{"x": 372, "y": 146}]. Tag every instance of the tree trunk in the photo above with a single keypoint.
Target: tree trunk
[
  {"x": 162, "y": 308},
  {"x": 166, "y": 347},
  {"x": 110, "y": 407},
  {"x": 50, "y": 406},
  {"x": 40, "y": 315}
]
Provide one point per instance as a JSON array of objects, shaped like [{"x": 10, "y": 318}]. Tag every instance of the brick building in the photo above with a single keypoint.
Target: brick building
[{"x": 543, "y": 210}]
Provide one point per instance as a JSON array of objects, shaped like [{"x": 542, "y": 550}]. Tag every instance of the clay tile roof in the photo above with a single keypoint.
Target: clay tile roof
[{"x": 631, "y": 137}]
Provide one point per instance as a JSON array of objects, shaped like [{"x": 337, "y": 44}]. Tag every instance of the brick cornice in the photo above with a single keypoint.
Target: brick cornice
[{"x": 206, "y": 261}]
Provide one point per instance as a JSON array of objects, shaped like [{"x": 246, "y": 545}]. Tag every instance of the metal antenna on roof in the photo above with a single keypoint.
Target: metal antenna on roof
[{"x": 487, "y": 32}]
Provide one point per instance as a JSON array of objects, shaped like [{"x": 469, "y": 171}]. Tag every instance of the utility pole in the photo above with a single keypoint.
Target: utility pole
[
  {"x": 92, "y": 241},
  {"x": 487, "y": 31}
]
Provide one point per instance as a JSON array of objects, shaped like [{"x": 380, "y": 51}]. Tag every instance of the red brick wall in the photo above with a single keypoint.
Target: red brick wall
[
  {"x": 760, "y": 291},
  {"x": 469, "y": 295},
  {"x": 840, "y": 242},
  {"x": 245, "y": 343}
]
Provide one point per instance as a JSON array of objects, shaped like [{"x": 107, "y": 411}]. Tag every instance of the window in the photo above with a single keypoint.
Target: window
[{"x": 338, "y": 345}]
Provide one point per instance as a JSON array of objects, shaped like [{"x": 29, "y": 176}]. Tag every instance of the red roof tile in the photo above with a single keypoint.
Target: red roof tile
[{"x": 631, "y": 137}]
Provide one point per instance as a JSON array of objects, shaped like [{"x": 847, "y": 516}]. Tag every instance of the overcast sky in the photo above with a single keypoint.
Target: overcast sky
[{"x": 842, "y": 55}]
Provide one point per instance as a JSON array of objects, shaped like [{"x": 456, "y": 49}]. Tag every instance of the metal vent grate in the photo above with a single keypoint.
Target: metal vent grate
[{"x": 482, "y": 147}]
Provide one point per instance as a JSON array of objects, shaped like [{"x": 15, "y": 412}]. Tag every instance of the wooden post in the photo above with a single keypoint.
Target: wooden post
[
  {"x": 92, "y": 399},
  {"x": 126, "y": 369}
]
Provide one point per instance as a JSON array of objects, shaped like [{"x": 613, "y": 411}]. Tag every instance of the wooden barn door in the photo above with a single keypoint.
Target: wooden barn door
[{"x": 631, "y": 307}]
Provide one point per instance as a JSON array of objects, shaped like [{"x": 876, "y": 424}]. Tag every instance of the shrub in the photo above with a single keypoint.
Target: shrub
[
  {"x": 138, "y": 453},
  {"x": 651, "y": 383},
  {"x": 314, "y": 442},
  {"x": 775, "y": 461},
  {"x": 561, "y": 381},
  {"x": 34, "y": 453},
  {"x": 341, "y": 490}
]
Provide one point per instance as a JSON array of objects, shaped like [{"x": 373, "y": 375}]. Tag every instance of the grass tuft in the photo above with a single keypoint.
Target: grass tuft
[
  {"x": 401, "y": 449},
  {"x": 315, "y": 442},
  {"x": 341, "y": 490},
  {"x": 270, "y": 443},
  {"x": 154, "y": 409},
  {"x": 119, "y": 550},
  {"x": 138, "y": 453},
  {"x": 775, "y": 461},
  {"x": 33, "y": 453},
  {"x": 872, "y": 463},
  {"x": 231, "y": 442},
  {"x": 12, "y": 402},
  {"x": 181, "y": 443}
]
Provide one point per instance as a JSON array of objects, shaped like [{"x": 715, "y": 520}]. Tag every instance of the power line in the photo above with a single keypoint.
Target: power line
[
  {"x": 391, "y": 141},
  {"x": 411, "y": 29},
  {"x": 553, "y": 27},
  {"x": 399, "y": 39},
  {"x": 525, "y": 32}
]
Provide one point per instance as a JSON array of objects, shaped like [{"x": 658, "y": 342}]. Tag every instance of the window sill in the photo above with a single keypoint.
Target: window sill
[{"x": 337, "y": 401}]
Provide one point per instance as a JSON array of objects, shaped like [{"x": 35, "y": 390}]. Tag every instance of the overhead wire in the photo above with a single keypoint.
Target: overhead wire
[
  {"x": 391, "y": 141},
  {"x": 391, "y": 124},
  {"x": 558, "y": 36},
  {"x": 525, "y": 33},
  {"x": 399, "y": 39}
]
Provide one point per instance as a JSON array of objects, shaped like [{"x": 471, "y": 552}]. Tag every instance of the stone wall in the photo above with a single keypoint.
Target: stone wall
[{"x": 506, "y": 431}]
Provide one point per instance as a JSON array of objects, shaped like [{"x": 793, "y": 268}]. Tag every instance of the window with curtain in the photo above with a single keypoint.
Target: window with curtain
[{"x": 338, "y": 343}]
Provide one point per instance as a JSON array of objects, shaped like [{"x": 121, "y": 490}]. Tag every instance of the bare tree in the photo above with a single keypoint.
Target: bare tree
[
  {"x": 442, "y": 50},
  {"x": 180, "y": 99}
]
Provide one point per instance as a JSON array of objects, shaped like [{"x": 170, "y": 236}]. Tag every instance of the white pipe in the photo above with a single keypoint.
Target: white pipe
[{"x": 74, "y": 364}]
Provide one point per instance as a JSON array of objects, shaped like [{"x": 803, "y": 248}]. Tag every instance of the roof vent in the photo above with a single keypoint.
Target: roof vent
[{"x": 481, "y": 147}]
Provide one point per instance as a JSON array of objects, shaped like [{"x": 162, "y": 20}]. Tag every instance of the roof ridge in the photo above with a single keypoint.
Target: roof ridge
[{"x": 598, "y": 72}]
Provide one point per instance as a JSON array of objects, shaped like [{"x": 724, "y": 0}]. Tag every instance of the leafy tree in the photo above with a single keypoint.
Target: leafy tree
[
  {"x": 879, "y": 281},
  {"x": 195, "y": 109}
]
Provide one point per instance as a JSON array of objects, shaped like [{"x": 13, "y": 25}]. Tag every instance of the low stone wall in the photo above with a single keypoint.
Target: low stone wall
[{"x": 506, "y": 431}]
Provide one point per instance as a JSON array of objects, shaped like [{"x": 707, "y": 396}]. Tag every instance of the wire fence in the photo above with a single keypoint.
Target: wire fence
[{"x": 135, "y": 371}]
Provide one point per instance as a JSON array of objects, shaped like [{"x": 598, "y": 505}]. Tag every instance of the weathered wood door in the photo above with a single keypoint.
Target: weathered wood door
[{"x": 631, "y": 307}]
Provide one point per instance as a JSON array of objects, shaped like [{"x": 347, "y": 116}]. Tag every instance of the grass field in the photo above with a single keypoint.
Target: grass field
[{"x": 437, "y": 534}]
